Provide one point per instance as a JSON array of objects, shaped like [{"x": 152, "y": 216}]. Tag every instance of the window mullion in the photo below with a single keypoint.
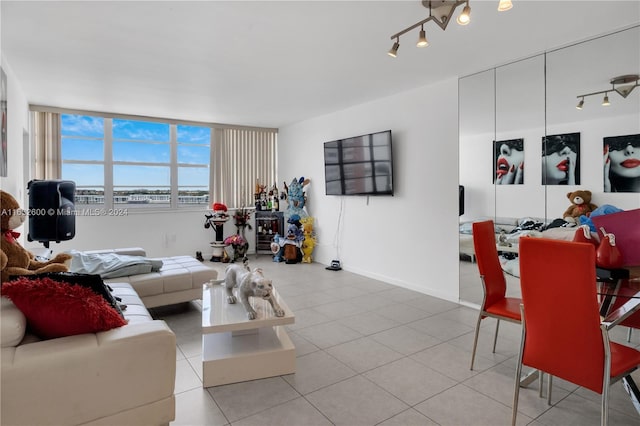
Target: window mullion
[
  {"x": 108, "y": 163},
  {"x": 173, "y": 172}
]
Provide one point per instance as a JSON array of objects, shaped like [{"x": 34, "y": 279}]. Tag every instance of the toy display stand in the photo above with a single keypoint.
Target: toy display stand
[
  {"x": 218, "y": 245},
  {"x": 218, "y": 251}
]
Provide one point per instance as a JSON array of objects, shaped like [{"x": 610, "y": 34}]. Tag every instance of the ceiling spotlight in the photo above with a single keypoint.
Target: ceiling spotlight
[
  {"x": 605, "y": 101},
  {"x": 422, "y": 40},
  {"x": 504, "y": 5},
  {"x": 580, "y": 104},
  {"x": 393, "y": 52},
  {"x": 465, "y": 16}
]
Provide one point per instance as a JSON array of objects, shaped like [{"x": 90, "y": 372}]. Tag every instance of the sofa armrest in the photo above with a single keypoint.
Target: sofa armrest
[
  {"x": 130, "y": 251},
  {"x": 77, "y": 379}
]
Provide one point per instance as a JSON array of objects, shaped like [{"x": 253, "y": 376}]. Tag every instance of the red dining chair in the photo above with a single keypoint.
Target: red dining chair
[
  {"x": 570, "y": 343},
  {"x": 494, "y": 302}
]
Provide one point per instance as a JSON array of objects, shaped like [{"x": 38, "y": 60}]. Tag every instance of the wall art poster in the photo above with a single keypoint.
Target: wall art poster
[
  {"x": 3, "y": 140},
  {"x": 561, "y": 159},
  {"x": 508, "y": 162},
  {"x": 622, "y": 163}
]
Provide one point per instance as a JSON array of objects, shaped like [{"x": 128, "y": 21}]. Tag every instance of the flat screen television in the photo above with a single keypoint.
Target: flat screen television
[{"x": 360, "y": 165}]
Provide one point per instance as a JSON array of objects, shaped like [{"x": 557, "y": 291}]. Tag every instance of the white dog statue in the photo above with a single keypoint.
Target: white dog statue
[{"x": 249, "y": 284}]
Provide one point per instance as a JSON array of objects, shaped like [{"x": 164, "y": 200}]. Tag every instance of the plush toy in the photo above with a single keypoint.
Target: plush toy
[
  {"x": 3, "y": 260},
  {"x": 580, "y": 205},
  {"x": 296, "y": 198},
  {"x": 309, "y": 239},
  {"x": 20, "y": 261}
]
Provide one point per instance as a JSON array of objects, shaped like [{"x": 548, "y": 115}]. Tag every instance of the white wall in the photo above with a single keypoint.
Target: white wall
[
  {"x": 17, "y": 122},
  {"x": 410, "y": 239},
  {"x": 159, "y": 233}
]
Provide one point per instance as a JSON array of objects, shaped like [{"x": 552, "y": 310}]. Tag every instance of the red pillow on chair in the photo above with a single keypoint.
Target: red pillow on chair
[{"x": 55, "y": 309}]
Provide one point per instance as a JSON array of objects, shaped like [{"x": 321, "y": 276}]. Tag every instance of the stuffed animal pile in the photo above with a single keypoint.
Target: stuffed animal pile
[
  {"x": 580, "y": 206},
  {"x": 15, "y": 259}
]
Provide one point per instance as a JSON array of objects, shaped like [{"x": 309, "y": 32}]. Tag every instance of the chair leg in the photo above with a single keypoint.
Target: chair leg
[
  {"x": 604, "y": 414},
  {"x": 540, "y": 382},
  {"x": 516, "y": 392},
  {"x": 495, "y": 336},
  {"x": 629, "y": 334},
  {"x": 475, "y": 340},
  {"x": 549, "y": 386}
]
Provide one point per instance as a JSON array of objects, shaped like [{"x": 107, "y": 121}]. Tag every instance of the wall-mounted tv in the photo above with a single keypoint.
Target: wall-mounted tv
[{"x": 360, "y": 165}]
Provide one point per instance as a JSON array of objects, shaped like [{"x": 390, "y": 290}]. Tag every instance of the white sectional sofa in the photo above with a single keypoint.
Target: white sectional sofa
[{"x": 123, "y": 376}]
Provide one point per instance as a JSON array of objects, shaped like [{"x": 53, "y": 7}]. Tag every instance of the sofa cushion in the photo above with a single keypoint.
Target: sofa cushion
[
  {"x": 178, "y": 273},
  {"x": 55, "y": 309},
  {"x": 13, "y": 323},
  {"x": 133, "y": 307}
]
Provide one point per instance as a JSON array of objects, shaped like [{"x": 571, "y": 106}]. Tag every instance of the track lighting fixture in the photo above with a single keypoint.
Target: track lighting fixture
[
  {"x": 622, "y": 85},
  {"x": 393, "y": 52},
  {"x": 441, "y": 12},
  {"x": 422, "y": 40}
]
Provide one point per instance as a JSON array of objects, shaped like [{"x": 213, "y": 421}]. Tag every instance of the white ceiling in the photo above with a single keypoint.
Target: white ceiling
[{"x": 268, "y": 63}]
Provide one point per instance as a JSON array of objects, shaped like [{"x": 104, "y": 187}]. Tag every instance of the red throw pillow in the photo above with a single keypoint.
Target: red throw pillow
[{"x": 55, "y": 309}]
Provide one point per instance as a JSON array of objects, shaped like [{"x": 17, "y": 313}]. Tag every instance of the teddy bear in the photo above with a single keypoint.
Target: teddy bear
[
  {"x": 580, "y": 205},
  {"x": 20, "y": 261}
]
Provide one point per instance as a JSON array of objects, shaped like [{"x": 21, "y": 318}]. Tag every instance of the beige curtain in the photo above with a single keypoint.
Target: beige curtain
[
  {"x": 47, "y": 146},
  {"x": 241, "y": 158}
]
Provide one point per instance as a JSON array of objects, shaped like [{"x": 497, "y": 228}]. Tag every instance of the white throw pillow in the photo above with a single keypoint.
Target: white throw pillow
[{"x": 12, "y": 322}]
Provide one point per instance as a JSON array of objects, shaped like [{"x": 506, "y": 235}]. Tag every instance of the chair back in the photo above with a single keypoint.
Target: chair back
[
  {"x": 561, "y": 316},
  {"x": 484, "y": 243}
]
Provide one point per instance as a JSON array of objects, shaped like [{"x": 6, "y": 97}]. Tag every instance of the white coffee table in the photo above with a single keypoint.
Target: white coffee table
[{"x": 237, "y": 349}]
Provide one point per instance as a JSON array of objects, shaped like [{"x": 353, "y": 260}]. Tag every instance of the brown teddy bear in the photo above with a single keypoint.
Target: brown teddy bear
[
  {"x": 20, "y": 261},
  {"x": 580, "y": 205}
]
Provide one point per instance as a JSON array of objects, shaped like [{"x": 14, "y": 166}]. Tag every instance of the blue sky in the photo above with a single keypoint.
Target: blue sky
[{"x": 83, "y": 139}]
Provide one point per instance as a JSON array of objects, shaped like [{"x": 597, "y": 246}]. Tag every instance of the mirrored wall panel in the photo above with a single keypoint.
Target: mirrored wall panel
[{"x": 536, "y": 129}]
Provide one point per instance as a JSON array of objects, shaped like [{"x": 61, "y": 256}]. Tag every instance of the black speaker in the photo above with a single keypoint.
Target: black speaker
[{"x": 51, "y": 210}]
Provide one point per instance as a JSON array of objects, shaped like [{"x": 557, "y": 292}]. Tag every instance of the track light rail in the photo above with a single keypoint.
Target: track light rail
[
  {"x": 623, "y": 91},
  {"x": 440, "y": 12}
]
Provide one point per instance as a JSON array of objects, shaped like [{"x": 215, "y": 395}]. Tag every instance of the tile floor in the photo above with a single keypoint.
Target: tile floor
[{"x": 370, "y": 353}]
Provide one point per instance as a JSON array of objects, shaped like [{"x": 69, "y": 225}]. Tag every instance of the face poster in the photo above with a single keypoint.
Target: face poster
[
  {"x": 622, "y": 163},
  {"x": 561, "y": 159},
  {"x": 508, "y": 162}
]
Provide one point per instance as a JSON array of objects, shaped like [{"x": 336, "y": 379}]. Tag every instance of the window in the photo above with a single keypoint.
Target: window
[
  {"x": 82, "y": 139},
  {"x": 194, "y": 152},
  {"x": 141, "y": 153},
  {"x": 123, "y": 161}
]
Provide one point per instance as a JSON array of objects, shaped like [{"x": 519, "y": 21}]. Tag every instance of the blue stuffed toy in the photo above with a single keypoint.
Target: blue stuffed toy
[{"x": 599, "y": 211}]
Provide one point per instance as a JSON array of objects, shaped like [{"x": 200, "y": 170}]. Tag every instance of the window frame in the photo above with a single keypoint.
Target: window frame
[{"x": 215, "y": 167}]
